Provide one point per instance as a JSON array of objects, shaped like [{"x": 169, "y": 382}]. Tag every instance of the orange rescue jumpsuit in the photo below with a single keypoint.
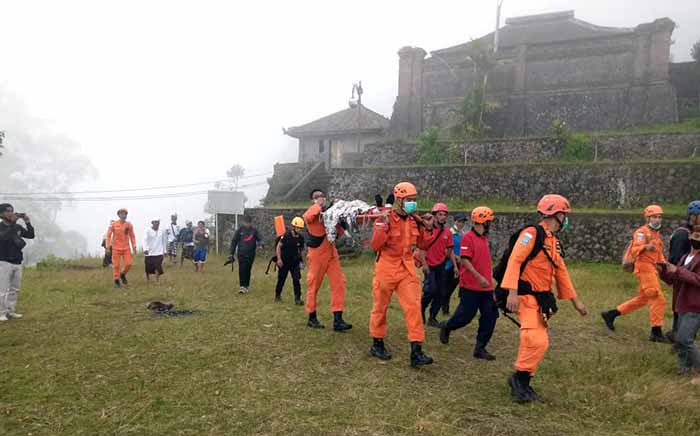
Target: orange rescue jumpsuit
[
  {"x": 395, "y": 271},
  {"x": 119, "y": 234},
  {"x": 540, "y": 273},
  {"x": 322, "y": 260},
  {"x": 649, "y": 291}
]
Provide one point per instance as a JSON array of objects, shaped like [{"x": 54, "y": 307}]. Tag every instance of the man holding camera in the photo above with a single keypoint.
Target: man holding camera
[{"x": 12, "y": 242}]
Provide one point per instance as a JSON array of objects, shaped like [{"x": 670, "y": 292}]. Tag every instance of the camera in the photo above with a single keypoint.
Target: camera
[
  {"x": 20, "y": 215},
  {"x": 229, "y": 261}
]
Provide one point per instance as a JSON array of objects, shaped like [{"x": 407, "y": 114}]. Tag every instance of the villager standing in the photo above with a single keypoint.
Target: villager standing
[
  {"x": 679, "y": 246},
  {"x": 201, "y": 246},
  {"x": 647, "y": 251},
  {"x": 394, "y": 238},
  {"x": 475, "y": 285},
  {"x": 436, "y": 255},
  {"x": 173, "y": 234},
  {"x": 288, "y": 250},
  {"x": 685, "y": 279},
  {"x": 245, "y": 242},
  {"x": 187, "y": 238},
  {"x": 322, "y": 259},
  {"x": 529, "y": 290},
  {"x": 12, "y": 236},
  {"x": 452, "y": 270},
  {"x": 154, "y": 247},
  {"x": 119, "y": 235}
]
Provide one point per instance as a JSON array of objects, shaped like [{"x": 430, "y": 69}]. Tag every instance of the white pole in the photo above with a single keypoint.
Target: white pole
[{"x": 499, "y": 3}]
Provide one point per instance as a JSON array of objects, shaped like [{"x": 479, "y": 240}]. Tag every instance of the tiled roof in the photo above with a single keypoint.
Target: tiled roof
[{"x": 344, "y": 121}]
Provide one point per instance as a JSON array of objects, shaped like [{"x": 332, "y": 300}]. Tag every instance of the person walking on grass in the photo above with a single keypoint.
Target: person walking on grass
[
  {"x": 288, "y": 250},
  {"x": 451, "y": 270},
  {"x": 173, "y": 234},
  {"x": 646, "y": 250},
  {"x": 186, "y": 237},
  {"x": 12, "y": 236},
  {"x": 529, "y": 290},
  {"x": 244, "y": 244},
  {"x": 201, "y": 246},
  {"x": 119, "y": 237},
  {"x": 154, "y": 247},
  {"x": 475, "y": 285},
  {"x": 684, "y": 276},
  {"x": 396, "y": 234}
]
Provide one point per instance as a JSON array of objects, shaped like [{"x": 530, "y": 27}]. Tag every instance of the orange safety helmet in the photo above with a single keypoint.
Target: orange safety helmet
[
  {"x": 440, "y": 207},
  {"x": 552, "y": 204},
  {"x": 482, "y": 214},
  {"x": 653, "y": 210},
  {"x": 123, "y": 209},
  {"x": 404, "y": 189}
]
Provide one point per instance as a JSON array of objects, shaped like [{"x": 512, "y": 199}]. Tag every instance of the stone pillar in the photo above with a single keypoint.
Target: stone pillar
[
  {"x": 653, "y": 51},
  {"x": 407, "y": 119}
]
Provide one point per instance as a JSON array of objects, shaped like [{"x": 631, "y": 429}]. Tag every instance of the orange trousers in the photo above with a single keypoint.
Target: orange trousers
[
  {"x": 534, "y": 338},
  {"x": 324, "y": 261},
  {"x": 116, "y": 261},
  {"x": 408, "y": 291},
  {"x": 649, "y": 293}
]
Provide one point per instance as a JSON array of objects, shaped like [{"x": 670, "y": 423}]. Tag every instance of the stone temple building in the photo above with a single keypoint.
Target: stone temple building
[
  {"x": 546, "y": 67},
  {"x": 339, "y": 138}
]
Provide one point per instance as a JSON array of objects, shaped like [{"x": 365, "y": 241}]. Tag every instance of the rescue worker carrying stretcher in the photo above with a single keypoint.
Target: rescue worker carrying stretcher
[
  {"x": 322, "y": 259},
  {"x": 396, "y": 234},
  {"x": 646, "y": 250},
  {"x": 529, "y": 290}
]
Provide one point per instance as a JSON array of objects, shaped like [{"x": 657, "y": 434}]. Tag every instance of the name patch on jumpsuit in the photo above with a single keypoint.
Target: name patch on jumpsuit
[{"x": 527, "y": 237}]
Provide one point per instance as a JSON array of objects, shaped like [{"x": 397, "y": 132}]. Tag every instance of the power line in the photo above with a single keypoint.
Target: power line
[{"x": 154, "y": 188}]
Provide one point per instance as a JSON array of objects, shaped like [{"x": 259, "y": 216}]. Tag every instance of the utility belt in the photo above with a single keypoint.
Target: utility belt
[
  {"x": 314, "y": 241},
  {"x": 545, "y": 299}
]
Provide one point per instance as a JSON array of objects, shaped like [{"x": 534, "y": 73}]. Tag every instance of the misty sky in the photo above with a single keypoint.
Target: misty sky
[{"x": 167, "y": 92}]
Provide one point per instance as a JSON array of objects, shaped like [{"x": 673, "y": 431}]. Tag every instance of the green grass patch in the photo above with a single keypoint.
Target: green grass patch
[
  {"x": 689, "y": 125},
  {"x": 89, "y": 360}
]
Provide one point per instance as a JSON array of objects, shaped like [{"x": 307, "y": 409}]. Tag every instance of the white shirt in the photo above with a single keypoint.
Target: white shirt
[
  {"x": 173, "y": 230},
  {"x": 688, "y": 259},
  {"x": 154, "y": 241}
]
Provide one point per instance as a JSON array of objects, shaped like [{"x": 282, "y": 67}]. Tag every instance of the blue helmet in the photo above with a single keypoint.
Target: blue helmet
[{"x": 694, "y": 208}]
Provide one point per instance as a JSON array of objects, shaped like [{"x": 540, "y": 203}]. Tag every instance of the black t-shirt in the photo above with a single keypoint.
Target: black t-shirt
[{"x": 291, "y": 247}]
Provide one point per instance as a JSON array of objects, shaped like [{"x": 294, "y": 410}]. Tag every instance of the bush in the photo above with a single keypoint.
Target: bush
[
  {"x": 431, "y": 153},
  {"x": 576, "y": 146}
]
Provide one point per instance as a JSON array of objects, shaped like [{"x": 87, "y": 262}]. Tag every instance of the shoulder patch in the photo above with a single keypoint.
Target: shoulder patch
[
  {"x": 526, "y": 238},
  {"x": 640, "y": 236}
]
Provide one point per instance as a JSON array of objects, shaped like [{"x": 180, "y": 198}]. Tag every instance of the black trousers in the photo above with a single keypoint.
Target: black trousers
[
  {"x": 282, "y": 273},
  {"x": 245, "y": 264},
  {"x": 452, "y": 283},
  {"x": 433, "y": 289},
  {"x": 469, "y": 303}
]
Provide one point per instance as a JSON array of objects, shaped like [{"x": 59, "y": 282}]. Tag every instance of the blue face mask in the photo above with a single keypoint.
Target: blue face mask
[{"x": 410, "y": 206}]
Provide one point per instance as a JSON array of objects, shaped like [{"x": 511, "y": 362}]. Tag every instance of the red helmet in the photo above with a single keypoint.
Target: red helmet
[
  {"x": 552, "y": 204},
  {"x": 482, "y": 214},
  {"x": 405, "y": 189},
  {"x": 440, "y": 207},
  {"x": 653, "y": 210}
]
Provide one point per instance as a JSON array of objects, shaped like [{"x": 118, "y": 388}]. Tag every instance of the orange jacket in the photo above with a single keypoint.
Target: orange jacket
[
  {"x": 394, "y": 241},
  {"x": 119, "y": 234},
  {"x": 646, "y": 260},
  {"x": 539, "y": 272},
  {"x": 314, "y": 223}
]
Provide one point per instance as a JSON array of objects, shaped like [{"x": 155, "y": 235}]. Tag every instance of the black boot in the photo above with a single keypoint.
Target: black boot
[
  {"x": 445, "y": 309},
  {"x": 313, "y": 321},
  {"x": 444, "y": 333},
  {"x": 432, "y": 322},
  {"x": 338, "y": 324},
  {"x": 481, "y": 353},
  {"x": 609, "y": 318},
  {"x": 418, "y": 357},
  {"x": 117, "y": 284},
  {"x": 278, "y": 298},
  {"x": 658, "y": 336},
  {"x": 297, "y": 301},
  {"x": 379, "y": 351},
  {"x": 519, "y": 383},
  {"x": 531, "y": 392},
  {"x": 123, "y": 277}
]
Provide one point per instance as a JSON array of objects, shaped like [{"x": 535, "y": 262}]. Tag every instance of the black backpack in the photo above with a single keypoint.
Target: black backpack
[{"x": 499, "y": 271}]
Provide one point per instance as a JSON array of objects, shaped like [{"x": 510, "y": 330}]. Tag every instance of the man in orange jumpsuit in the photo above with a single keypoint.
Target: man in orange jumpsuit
[
  {"x": 529, "y": 291},
  {"x": 119, "y": 234},
  {"x": 322, "y": 259},
  {"x": 647, "y": 250},
  {"x": 395, "y": 237}
]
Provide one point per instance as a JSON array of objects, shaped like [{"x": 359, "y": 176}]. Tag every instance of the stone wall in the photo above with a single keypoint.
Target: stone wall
[
  {"x": 599, "y": 237},
  {"x": 685, "y": 77},
  {"x": 590, "y": 184},
  {"x": 612, "y": 147}
]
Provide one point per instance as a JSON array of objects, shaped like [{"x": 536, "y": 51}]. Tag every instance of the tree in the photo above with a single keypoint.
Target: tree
[
  {"x": 695, "y": 51},
  {"x": 234, "y": 175}
]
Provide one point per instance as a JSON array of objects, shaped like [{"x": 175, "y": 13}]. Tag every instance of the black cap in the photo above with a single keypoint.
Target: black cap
[{"x": 460, "y": 217}]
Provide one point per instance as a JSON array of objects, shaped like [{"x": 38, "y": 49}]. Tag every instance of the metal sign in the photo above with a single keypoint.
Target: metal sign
[{"x": 229, "y": 202}]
